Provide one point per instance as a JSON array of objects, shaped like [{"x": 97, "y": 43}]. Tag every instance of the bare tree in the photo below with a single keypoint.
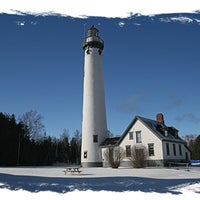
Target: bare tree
[
  {"x": 32, "y": 122},
  {"x": 114, "y": 156},
  {"x": 138, "y": 156},
  {"x": 110, "y": 134},
  {"x": 76, "y": 147}
]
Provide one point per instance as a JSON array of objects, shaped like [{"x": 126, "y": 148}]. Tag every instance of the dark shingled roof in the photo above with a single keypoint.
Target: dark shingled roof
[
  {"x": 158, "y": 128},
  {"x": 110, "y": 141}
]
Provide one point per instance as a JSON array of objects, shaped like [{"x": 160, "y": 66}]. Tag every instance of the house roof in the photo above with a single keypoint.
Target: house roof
[
  {"x": 163, "y": 132},
  {"x": 110, "y": 142}
]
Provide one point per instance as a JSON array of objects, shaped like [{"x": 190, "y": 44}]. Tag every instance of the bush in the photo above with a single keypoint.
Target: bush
[
  {"x": 114, "y": 156},
  {"x": 139, "y": 157}
]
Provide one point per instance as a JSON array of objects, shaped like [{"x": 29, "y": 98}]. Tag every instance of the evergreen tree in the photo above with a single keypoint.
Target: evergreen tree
[
  {"x": 75, "y": 145},
  {"x": 196, "y": 149}
]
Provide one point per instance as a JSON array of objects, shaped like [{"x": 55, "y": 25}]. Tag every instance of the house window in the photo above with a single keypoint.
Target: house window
[
  {"x": 128, "y": 150},
  {"x": 180, "y": 150},
  {"x": 138, "y": 137},
  {"x": 131, "y": 135},
  {"x": 151, "y": 149},
  {"x": 167, "y": 148},
  {"x": 95, "y": 138},
  {"x": 85, "y": 154},
  {"x": 174, "y": 149}
]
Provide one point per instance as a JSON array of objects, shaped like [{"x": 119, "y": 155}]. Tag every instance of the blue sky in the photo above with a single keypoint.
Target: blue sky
[{"x": 150, "y": 65}]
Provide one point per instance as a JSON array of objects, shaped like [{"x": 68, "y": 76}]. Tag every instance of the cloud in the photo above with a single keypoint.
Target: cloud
[
  {"x": 176, "y": 101},
  {"x": 190, "y": 117},
  {"x": 103, "y": 8},
  {"x": 131, "y": 104}
]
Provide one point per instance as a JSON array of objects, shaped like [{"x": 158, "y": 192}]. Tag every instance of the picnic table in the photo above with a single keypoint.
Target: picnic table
[
  {"x": 186, "y": 164},
  {"x": 72, "y": 169}
]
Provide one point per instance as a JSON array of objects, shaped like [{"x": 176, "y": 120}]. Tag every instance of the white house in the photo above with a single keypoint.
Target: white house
[{"x": 162, "y": 142}]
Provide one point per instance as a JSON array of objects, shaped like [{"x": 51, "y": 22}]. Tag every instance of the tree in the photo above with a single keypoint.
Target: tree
[
  {"x": 10, "y": 135},
  {"x": 32, "y": 124},
  {"x": 110, "y": 134},
  {"x": 138, "y": 156},
  {"x": 114, "y": 156},
  {"x": 196, "y": 149},
  {"x": 75, "y": 148},
  {"x": 63, "y": 148}
]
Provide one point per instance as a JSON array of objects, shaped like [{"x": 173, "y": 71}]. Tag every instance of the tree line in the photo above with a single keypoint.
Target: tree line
[
  {"x": 194, "y": 146},
  {"x": 24, "y": 142}
]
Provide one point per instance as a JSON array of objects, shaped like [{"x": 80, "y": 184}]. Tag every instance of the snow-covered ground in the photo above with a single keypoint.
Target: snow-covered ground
[{"x": 52, "y": 183}]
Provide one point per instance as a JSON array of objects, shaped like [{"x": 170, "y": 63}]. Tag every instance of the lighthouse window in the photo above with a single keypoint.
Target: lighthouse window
[
  {"x": 85, "y": 154},
  {"x": 88, "y": 51},
  {"x": 95, "y": 138}
]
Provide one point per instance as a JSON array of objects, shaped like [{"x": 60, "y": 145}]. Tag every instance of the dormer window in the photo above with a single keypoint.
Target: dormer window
[{"x": 166, "y": 133}]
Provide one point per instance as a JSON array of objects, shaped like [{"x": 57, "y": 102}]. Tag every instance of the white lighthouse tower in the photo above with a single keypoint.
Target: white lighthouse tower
[{"x": 94, "y": 125}]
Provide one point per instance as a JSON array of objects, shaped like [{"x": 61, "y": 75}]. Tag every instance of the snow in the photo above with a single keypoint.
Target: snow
[
  {"x": 82, "y": 9},
  {"x": 52, "y": 183},
  {"x": 182, "y": 19}
]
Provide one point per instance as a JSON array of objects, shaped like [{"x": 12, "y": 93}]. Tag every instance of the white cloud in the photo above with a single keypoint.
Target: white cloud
[{"x": 111, "y": 8}]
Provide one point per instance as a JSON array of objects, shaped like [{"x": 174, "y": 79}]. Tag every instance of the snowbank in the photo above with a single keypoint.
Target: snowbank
[{"x": 123, "y": 183}]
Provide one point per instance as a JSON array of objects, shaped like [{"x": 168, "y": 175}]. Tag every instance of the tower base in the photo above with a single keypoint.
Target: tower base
[{"x": 92, "y": 164}]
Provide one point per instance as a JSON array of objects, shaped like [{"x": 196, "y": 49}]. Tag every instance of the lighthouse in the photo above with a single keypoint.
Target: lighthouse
[{"x": 94, "y": 124}]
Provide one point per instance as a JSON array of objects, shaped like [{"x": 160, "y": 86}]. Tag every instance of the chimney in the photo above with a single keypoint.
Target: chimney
[{"x": 160, "y": 118}]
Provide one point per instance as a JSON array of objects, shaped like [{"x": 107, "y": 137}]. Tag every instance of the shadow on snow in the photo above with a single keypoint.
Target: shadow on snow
[{"x": 116, "y": 184}]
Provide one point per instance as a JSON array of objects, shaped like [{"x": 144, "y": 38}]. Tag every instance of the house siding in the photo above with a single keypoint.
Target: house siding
[
  {"x": 179, "y": 157},
  {"x": 147, "y": 137}
]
